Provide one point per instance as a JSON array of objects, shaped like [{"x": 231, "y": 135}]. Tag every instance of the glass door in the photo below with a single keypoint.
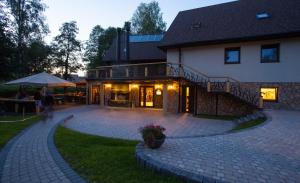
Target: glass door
[{"x": 146, "y": 96}]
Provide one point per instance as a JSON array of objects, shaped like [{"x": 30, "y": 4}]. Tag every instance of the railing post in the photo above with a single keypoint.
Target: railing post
[
  {"x": 261, "y": 102},
  {"x": 127, "y": 72},
  {"x": 181, "y": 73},
  {"x": 208, "y": 86},
  {"x": 228, "y": 86},
  {"x": 97, "y": 74},
  {"x": 168, "y": 69},
  {"x": 146, "y": 71},
  {"x": 110, "y": 73}
]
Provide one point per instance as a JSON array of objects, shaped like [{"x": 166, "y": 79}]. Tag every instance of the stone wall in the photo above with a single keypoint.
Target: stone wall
[
  {"x": 288, "y": 95},
  {"x": 173, "y": 99},
  {"x": 221, "y": 104}
]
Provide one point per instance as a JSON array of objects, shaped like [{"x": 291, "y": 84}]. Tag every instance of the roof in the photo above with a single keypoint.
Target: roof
[
  {"x": 234, "y": 21},
  {"x": 141, "y": 48}
]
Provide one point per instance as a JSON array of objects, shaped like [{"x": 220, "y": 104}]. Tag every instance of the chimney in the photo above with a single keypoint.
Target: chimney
[
  {"x": 127, "y": 28},
  {"x": 119, "y": 32}
]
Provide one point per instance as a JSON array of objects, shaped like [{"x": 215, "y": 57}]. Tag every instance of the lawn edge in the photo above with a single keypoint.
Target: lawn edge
[{"x": 57, "y": 157}]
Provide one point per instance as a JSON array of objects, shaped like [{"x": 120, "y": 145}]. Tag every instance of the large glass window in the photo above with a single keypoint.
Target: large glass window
[
  {"x": 269, "y": 93},
  {"x": 120, "y": 92},
  {"x": 232, "y": 55},
  {"x": 270, "y": 53}
]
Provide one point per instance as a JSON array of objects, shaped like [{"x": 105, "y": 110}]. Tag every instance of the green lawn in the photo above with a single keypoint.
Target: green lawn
[
  {"x": 13, "y": 118},
  {"x": 249, "y": 124},
  {"x": 10, "y": 129},
  {"x": 219, "y": 117},
  {"x": 105, "y": 160}
]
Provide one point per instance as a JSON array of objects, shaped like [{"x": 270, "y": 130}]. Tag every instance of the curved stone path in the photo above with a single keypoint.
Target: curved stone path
[
  {"x": 269, "y": 153},
  {"x": 30, "y": 157},
  {"x": 125, "y": 123}
]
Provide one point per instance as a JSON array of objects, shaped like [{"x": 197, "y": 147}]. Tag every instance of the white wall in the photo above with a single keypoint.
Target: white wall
[{"x": 210, "y": 60}]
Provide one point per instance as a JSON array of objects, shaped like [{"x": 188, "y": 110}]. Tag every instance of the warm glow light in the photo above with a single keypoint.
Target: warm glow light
[
  {"x": 158, "y": 92},
  {"x": 158, "y": 86},
  {"x": 107, "y": 85},
  {"x": 269, "y": 94},
  {"x": 134, "y": 86},
  {"x": 171, "y": 87}
]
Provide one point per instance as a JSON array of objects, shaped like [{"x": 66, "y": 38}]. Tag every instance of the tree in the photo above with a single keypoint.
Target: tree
[
  {"x": 28, "y": 25},
  {"x": 99, "y": 42},
  {"x": 6, "y": 46},
  {"x": 39, "y": 55},
  {"x": 92, "y": 47},
  {"x": 147, "y": 19},
  {"x": 67, "y": 49}
]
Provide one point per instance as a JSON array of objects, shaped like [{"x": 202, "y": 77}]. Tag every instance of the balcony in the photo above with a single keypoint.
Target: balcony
[{"x": 129, "y": 71}]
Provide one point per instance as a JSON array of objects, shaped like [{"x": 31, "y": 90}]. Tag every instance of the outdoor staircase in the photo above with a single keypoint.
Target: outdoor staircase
[{"x": 226, "y": 85}]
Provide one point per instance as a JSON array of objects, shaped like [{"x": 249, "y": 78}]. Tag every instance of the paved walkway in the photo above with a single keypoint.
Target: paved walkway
[
  {"x": 29, "y": 158},
  {"x": 124, "y": 123},
  {"x": 270, "y": 153}
]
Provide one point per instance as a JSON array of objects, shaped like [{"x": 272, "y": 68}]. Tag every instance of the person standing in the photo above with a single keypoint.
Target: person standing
[
  {"x": 48, "y": 102},
  {"x": 38, "y": 101}
]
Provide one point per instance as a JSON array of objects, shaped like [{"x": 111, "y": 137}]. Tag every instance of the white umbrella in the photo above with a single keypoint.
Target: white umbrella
[{"x": 42, "y": 79}]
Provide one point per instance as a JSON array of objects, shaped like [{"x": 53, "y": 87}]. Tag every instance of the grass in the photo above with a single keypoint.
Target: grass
[
  {"x": 13, "y": 118},
  {"x": 219, "y": 117},
  {"x": 9, "y": 129},
  {"x": 249, "y": 124},
  {"x": 105, "y": 160}
]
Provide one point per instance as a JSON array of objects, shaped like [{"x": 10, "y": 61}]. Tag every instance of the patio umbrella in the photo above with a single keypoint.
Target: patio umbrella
[{"x": 42, "y": 79}]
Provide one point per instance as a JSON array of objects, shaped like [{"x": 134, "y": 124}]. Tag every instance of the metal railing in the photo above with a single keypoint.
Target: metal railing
[{"x": 175, "y": 70}]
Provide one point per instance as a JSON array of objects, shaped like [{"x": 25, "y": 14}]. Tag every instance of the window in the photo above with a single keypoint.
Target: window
[
  {"x": 232, "y": 55},
  {"x": 269, "y": 94},
  {"x": 270, "y": 53}
]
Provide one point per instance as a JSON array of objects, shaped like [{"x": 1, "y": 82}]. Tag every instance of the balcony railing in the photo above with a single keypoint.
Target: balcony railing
[{"x": 130, "y": 71}]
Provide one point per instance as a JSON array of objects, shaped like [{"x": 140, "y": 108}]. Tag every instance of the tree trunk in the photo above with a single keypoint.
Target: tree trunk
[{"x": 66, "y": 67}]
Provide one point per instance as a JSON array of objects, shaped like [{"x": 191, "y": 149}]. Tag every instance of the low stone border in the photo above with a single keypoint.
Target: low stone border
[
  {"x": 60, "y": 162},
  {"x": 149, "y": 163},
  {"x": 7, "y": 147}
]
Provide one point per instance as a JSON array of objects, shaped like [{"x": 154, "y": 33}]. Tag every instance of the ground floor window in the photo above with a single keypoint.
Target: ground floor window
[
  {"x": 120, "y": 92},
  {"x": 269, "y": 93}
]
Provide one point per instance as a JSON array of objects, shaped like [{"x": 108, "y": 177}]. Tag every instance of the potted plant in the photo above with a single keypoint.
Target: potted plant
[{"x": 153, "y": 135}]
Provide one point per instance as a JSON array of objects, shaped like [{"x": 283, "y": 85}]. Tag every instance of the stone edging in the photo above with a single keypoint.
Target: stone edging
[
  {"x": 154, "y": 165},
  {"x": 268, "y": 119},
  {"x": 60, "y": 162},
  {"x": 7, "y": 147}
]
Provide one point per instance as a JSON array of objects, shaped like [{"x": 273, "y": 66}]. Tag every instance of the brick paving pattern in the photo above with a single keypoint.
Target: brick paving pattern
[
  {"x": 124, "y": 123},
  {"x": 269, "y": 153},
  {"x": 29, "y": 159}
]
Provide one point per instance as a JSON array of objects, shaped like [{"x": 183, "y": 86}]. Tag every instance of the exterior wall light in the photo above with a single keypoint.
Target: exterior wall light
[
  {"x": 107, "y": 85},
  {"x": 171, "y": 87},
  {"x": 158, "y": 92},
  {"x": 158, "y": 86},
  {"x": 134, "y": 86}
]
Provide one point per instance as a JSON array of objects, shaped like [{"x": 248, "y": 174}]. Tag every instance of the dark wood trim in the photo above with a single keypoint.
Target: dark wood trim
[
  {"x": 266, "y": 46},
  {"x": 271, "y": 87},
  {"x": 232, "y": 49}
]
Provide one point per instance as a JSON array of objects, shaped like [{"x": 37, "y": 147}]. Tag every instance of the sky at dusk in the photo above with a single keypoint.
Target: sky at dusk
[{"x": 88, "y": 13}]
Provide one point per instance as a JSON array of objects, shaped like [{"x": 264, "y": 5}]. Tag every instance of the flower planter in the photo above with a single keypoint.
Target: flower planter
[
  {"x": 154, "y": 143},
  {"x": 153, "y": 135}
]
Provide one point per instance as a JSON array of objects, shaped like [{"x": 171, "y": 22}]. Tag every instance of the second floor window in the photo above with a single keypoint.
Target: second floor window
[
  {"x": 232, "y": 55},
  {"x": 270, "y": 53}
]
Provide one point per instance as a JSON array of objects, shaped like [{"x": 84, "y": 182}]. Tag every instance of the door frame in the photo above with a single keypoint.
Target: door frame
[{"x": 144, "y": 99}]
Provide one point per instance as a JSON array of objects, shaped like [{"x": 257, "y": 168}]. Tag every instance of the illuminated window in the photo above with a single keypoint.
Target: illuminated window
[{"x": 269, "y": 94}]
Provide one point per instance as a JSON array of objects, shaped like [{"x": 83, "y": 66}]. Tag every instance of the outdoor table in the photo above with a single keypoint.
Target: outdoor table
[{"x": 18, "y": 102}]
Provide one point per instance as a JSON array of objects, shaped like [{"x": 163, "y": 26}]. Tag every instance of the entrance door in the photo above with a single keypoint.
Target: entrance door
[
  {"x": 147, "y": 96},
  {"x": 95, "y": 95},
  {"x": 188, "y": 99}
]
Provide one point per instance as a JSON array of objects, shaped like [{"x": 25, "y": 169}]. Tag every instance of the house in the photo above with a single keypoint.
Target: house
[{"x": 227, "y": 59}]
